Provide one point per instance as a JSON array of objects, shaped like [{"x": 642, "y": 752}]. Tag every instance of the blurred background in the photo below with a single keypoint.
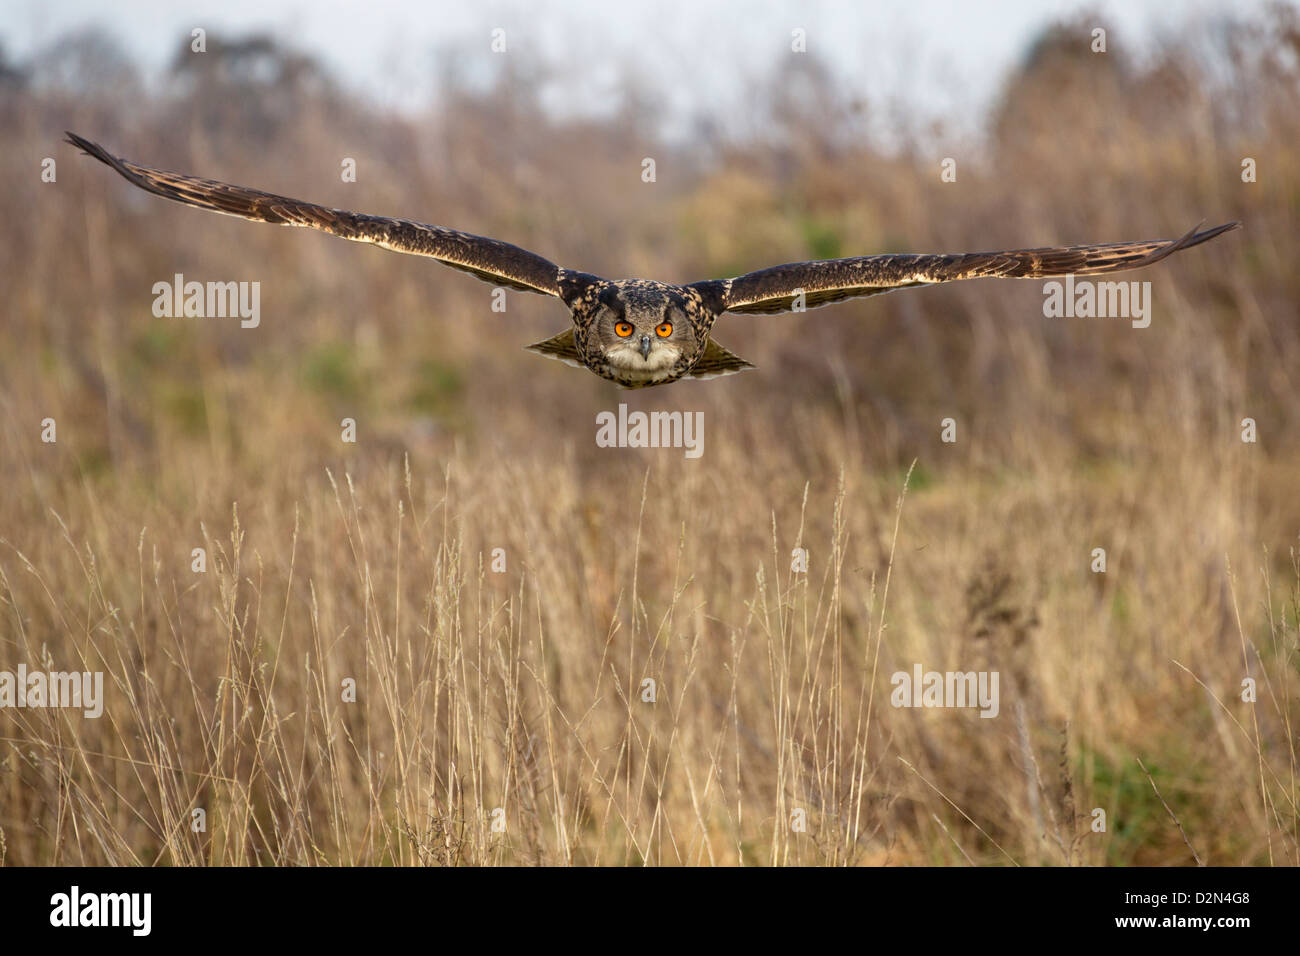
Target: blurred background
[{"x": 522, "y": 690}]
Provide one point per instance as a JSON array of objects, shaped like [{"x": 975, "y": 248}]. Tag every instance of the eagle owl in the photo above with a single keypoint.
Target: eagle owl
[{"x": 638, "y": 332}]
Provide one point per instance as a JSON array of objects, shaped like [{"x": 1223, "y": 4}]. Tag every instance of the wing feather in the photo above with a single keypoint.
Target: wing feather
[
  {"x": 489, "y": 259},
  {"x": 832, "y": 280}
]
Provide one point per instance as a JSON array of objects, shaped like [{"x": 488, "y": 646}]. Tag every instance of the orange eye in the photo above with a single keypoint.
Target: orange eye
[
  {"x": 623, "y": 329},
  {"x": 664, "y": 329}
]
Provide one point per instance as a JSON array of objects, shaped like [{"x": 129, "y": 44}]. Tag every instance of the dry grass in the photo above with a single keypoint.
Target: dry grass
[{"x": 523, "y": 690}]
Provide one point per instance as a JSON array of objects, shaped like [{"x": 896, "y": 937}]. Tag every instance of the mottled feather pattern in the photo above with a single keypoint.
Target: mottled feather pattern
[
  {"x": 586, "y": 295},
  {"x": 832, "y": 280},
  {"x": 592, "y": 299},
  {"x": 490, "y": 259}
]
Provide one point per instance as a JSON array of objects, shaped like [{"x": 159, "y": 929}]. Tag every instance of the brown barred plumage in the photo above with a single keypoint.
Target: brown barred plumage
[{"x": 638, "y": 332}]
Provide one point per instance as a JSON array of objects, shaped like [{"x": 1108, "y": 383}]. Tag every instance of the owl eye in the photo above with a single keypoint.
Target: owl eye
[
  {"x": 623, "y": 329},
  {"x": 664, "y": 329}
]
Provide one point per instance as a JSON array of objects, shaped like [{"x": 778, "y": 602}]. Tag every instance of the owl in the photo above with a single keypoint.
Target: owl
[{"x": 639, "y": 332}]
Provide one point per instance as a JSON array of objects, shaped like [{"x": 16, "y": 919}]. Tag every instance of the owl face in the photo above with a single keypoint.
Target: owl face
[{"x": 643, "y": 332}]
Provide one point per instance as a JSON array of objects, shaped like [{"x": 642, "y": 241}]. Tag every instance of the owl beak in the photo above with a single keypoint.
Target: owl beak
[{"x": 645, "y": 346}]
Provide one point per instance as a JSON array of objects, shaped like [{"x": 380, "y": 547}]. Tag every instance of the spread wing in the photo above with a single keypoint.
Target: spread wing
[
  {"x": 490, "y": 259},
  {"x": 832, "y": 280}
]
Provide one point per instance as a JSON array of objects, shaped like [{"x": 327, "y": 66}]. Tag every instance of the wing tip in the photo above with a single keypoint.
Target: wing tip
[
  {"x": 88, "y": 147},
  {"x": 1195, "y": 237}
]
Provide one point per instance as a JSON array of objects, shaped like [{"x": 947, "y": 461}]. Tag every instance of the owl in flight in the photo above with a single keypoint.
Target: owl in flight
[{"x": 638, "y": 332}]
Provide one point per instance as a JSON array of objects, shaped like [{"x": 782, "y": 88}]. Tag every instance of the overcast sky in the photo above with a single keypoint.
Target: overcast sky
[{"x": 947, "y": 57}]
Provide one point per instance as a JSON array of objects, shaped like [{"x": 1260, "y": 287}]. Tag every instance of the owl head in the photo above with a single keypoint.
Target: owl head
[
  {"x": 642, "y": 328},
  {"x": 637, "y": 332}
]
